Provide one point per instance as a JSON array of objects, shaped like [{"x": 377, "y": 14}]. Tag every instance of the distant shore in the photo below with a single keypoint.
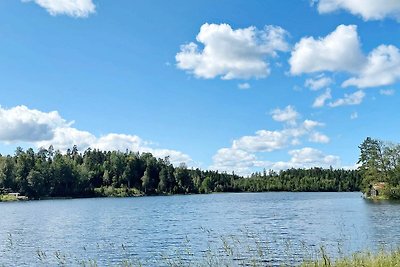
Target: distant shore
[{"x": 7, "y": 198}]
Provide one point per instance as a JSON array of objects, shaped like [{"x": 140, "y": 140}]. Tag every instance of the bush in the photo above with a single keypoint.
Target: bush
[
  {"x": 109, "y": 191},
  {"x": 394, "y": 192}
]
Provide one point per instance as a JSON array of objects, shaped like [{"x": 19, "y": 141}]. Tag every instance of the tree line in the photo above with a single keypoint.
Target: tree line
[
  {"x": 50, "y": 173},
  {"x": 304, "y": 180}
]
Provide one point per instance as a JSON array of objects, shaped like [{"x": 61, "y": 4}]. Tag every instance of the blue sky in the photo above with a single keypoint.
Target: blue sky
[{"x": 227, "y": 85}]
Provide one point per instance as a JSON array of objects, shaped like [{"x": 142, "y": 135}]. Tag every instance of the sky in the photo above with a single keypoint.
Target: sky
[{"x": 225, "y": 85}]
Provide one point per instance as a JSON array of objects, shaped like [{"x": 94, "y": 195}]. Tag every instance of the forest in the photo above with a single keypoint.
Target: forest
[{"x": 48, "y": 173}]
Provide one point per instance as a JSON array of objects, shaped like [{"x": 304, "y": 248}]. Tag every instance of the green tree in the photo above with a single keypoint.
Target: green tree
[
  {"x": 7, "y": 173},
  {"x": 150, "y": 179},
  {"x": 373, "y": 166},
  {"x": 183, "y": 179}
]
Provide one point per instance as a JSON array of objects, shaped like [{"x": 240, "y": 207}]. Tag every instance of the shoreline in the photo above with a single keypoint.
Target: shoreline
[{"x": 6, "y": 198}]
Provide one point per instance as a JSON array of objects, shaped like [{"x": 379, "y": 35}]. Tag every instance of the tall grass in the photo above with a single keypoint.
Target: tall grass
[
  {"x": 365, "y": 259},
  {"x": 247, "y": 250}
]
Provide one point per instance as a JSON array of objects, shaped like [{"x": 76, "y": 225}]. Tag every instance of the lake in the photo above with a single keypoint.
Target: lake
[{"x": 274, "y": 228}]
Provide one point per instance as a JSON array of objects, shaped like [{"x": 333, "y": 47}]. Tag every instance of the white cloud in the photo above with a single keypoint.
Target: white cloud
[
  {"x": 338, "y": 51},
  {"x": 22, "y": 124},
  {"x": 306, "y": 158},
  {"x": 243, "y": 163},
  {"x": 244, "y": 86},
  {"x": 119, "y": 142},
  {"x": 242, "y": 155},
  {"x": 318, "y": 83},
  {"x": 382, "y": 68},
  {"x": 349, "y": 99},
  {"x": 229, "y": 159},
  {"x": 318, "y": 137},
  {"x": 44, "y": 129},
  {"x": 367, "y": 9},
  {"x": 122, "y": 142},
  {"x": 288, "y": 114},
  {"x": 310, "y": 124},
  {"x": 66, "y": 137},
  {"x": 263, "y": 140},
  {"x": 267, "y": 141},
  {"x": 309, "y": 157},
  {"x": 242, "y": 158},
  {"x": 320, "y": 100},
  {"x": 387, "y": 92},
  {"x": 175, "y": 157},
  {"x": 354, "y": 115},
  {"x": 232, "y": 54},
  {"x": 73, "y": 8}
]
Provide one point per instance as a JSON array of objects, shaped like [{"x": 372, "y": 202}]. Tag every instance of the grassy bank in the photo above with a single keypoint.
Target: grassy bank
[
  {"x": 365, "y": 259},
  {"x": 8, "y": 198},
  {"x": 109, "y": 191}
]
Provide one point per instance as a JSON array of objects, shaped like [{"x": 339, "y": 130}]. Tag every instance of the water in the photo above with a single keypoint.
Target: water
[{"x": 285, "y": 226}]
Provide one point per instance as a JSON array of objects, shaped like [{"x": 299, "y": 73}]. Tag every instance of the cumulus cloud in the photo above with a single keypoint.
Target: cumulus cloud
[
  {"x": 231, "y": 53},
  {"x": 122, "y": 142},
  {"x": 49, "y": 128},
  {"x": 22, "y": 124},
  {"x": 262, "y": 141},
  {"x": 318, "y": 83},
  {"x": 66, "y": 137},
  {"x": 306, "y": 157},
  {"x": 318, "y": 137},
  {"x": 310, "y": 124},
  {"x": 175, "y": 157},
  {"x": 367, "y": 9},
  {"x": 310, "y": 157},
  {"x": 229, "y": 159},
  {"x": 382, "y": 68},
  {"x": 119, "y": 142},
  {"x": 243, "y": 163},
  {"x": 73, "y": 8},
  {"x": 288, "y": 114},
  {"x": 242, "y": 156},
  {"x": 268, "y": 141},
  {"x": 338, "y": 51},
  {"x": 320, "y": 100},
  {"x": 349, "y": 99}
]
